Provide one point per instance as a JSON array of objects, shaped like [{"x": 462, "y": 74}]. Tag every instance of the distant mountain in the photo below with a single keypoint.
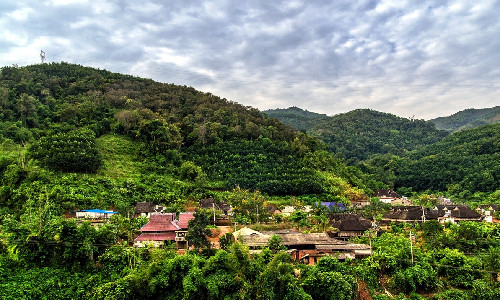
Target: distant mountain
[
  {"x": 468, "y": 118},
  {"x": 297, "y": 117},
  {"x": 361, "y": 133}
]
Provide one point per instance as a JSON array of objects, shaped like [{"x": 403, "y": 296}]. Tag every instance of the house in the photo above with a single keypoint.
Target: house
[
  {"x": 349, "y": 225},
  {"x": 402, "y": 201},
  {"x": 456, "y": 213},
  {"x": 273, "y": 210},
  {"x": 386, "y": 195},
  {"x": 444, "y": 201},
  {"x": 165, "y": 228},
  {"x": 180, "y": 235},
  {"x": 487, "y": 211},
  {"x": 158, "y": 231},
  {"x": 408, "y": 214},
  {"x": 288, "y": 210},
  {"x": 145, "y": 209},
  {"x": 361, "y": 202},
  {"x": 94, "y": 214},
  {"x": 244, "y": 232},
  {"x": 211, "y": 203},
  {"x": 309, "y": 247}
]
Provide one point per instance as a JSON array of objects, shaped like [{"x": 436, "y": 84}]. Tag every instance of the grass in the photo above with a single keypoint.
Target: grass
[{"x": 119, "y": 154}]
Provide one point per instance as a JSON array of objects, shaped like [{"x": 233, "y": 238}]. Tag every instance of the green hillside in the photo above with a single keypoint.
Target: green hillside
[
  {"x": 465, "y": 164},
  {"x": 73, "y": 137},
  {"x": 297, "y": 117},
  {"x": 468, "y": 118},
  {"x": 83, "y": 137},
  {"x": 359, "y": 134}
]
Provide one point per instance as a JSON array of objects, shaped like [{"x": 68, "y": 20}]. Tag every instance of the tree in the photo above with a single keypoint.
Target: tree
[
  {"x": 431, "y": 229},
  {"x": 159, "y": 136},
  {"x": 330, "y": 285},
  {"x": 299, "y": 219},
  {"x": 226, "y": 240},
  {"x": 75, "y": 151},
  {"x": 275, "y": 243},
  {"x": 197, "y": 231},
  {"x": 375, "y": 209},
  {"x": 278, "y": 281},
  {"x": 419, "y": 277},
  {"x": 321, "y": 216},
  {"x": 190, "y": 171},
  {"x": 248, "y": 205}
]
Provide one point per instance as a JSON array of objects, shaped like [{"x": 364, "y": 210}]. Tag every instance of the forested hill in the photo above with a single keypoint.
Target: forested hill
[
  {"x": 84, "y": 137},
  {"x": 41, "y": 95},
  {"x": 468, "y": 118},
  {"x": 465, "y": 164},
  {"x": 297, "y": 117},
  {"x": 362, "y": 133}
]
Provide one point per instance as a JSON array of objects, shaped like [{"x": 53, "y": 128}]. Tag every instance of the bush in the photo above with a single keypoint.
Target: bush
[{"x": 419, "y": 277}]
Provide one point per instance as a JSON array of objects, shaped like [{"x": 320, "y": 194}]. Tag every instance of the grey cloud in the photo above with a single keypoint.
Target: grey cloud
[{"x": 329, "y": 56}]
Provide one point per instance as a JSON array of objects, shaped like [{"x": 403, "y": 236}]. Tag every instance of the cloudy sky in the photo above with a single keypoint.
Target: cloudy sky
[{"x": 410, "y": 58}]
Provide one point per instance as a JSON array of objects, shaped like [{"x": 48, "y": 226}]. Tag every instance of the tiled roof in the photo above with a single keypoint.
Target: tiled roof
[
  {"x": 387, "y": 193},
  {"x": 351, "y": 222},
  {"x": 161, "y": 222},
  {"x": 167, "y": 236},
  {"x": 333, "y": 205},
  {"x": 489, "y": 206},
  {"x": 144, "y": 207},
  {"x": 272, "y": 209},
  {"x": 309, "y": 239},
  {"x": 410, "y": 213},
  {"x": 147, "y": 207},
  {"x": 318, "y": 240},
  {"x": 209, "y": 203},
  {"x": 464, "y": 211},
  {"x": 457, "y": 211},
  {"x": 184, "y": 219}
]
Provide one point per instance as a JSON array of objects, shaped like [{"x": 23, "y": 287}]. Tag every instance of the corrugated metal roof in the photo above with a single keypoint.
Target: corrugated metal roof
[{"x": 99, "y": 211}]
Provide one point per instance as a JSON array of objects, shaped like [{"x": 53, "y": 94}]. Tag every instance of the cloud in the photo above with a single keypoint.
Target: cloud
[{"x": 424, "y": 58}]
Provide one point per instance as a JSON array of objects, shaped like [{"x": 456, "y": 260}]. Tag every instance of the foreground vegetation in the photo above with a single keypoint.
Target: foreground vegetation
[{"x": 67, "y": 261}]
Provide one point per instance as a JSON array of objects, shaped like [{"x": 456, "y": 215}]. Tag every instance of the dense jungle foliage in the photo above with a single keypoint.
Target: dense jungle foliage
[
  {"x": 70, "y": 261},
  {"x": 361, "y": 133}
]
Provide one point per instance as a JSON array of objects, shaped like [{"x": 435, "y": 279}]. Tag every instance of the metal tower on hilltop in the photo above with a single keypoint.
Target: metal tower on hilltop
[{"x": 42, "y": 56}]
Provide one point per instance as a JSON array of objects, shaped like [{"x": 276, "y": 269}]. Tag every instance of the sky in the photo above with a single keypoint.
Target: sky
[{"x": 415, "y": 59}]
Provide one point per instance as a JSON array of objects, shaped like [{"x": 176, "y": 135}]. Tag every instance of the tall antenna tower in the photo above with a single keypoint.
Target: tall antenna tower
[{"x": 42, "y": 56}]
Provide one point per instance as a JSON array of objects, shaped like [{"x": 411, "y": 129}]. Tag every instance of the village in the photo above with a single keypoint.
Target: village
[{"x": 168, "y": 229}]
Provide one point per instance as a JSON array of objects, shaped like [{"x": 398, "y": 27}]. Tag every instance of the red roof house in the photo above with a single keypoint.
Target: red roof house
[
  {"x": 184, "y": 219},
  {"x": 159, "y": 229}
]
